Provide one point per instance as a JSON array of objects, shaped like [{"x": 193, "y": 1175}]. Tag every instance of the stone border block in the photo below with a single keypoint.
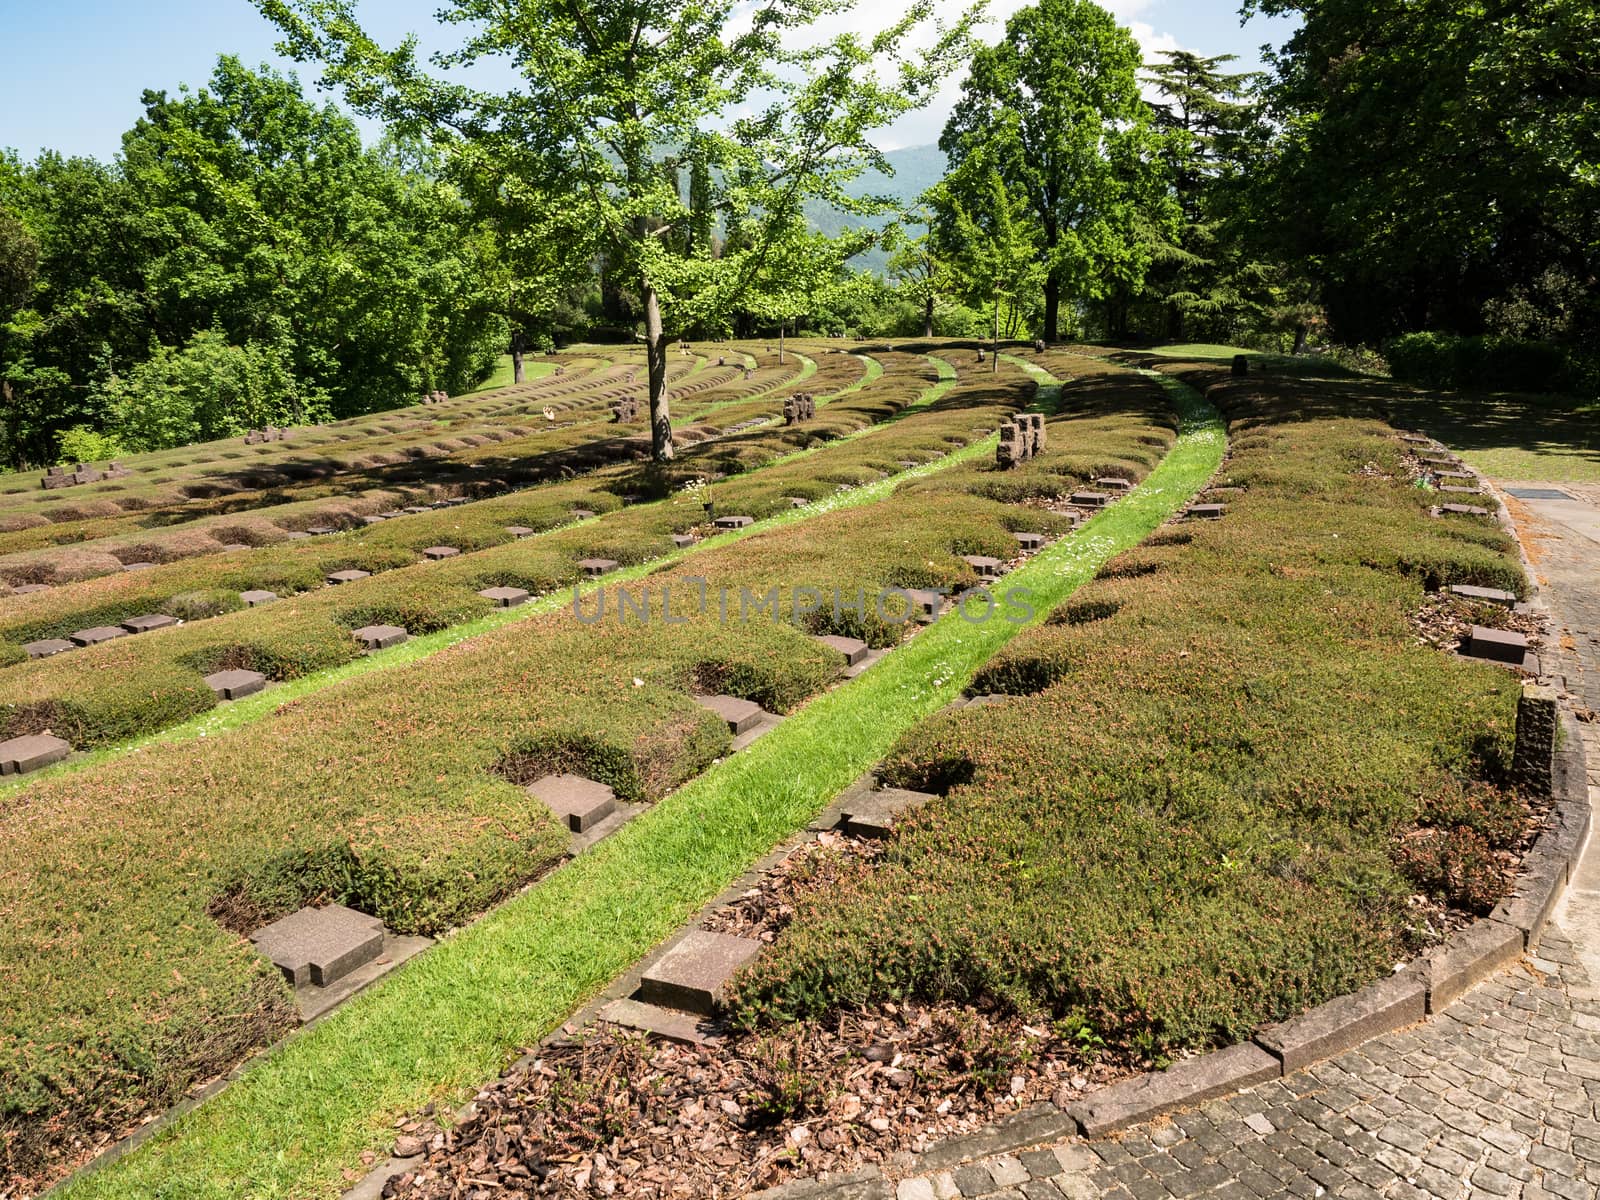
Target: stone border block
[
  {"x": 1540, "y": 882},
  {"x": 1186, "y": 1083},
  {"x": 1345, "y": 1022},
  {"x": 1467, "y": 957}
]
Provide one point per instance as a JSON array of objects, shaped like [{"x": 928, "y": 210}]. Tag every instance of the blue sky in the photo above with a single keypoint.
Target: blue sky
[{"x": 74, "y": 69}]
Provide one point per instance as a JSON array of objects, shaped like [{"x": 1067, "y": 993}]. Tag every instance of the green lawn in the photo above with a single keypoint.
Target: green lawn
[
  {"x": 533, "y": 368},
  {"x": 448, "y": 1020}
]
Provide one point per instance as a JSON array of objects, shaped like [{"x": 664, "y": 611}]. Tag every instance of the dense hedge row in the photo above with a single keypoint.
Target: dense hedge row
[
  {"x": 400, "y": 791},
  {"x": 1187, "y": 821},
  {"x": 1484, "y": 364}
]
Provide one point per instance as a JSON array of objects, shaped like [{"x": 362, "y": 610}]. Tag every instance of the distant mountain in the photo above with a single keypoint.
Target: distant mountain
[{"x": 916, "y": 169}]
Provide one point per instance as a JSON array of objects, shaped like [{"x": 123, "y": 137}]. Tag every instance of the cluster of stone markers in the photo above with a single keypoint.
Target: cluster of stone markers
[
  {"x": 273, "y": 434},
  {"x": 60, "y": 477},
  {"x": 47, "y": 647},
  {"x": 1021, "y": 438},
  {"x": 1450, "y": 478},
  {"x": 800, "y": 407}
]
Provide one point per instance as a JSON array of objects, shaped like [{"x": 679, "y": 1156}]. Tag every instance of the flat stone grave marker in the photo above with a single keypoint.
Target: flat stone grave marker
[
  {"x": 580, "y": 802},
  {"x": 1416, "y": 439},
  {"x": 320, "y": 530},
  {"x": 1029, "y": 541},
  {"x": 1461, "y": 491},
  {"x": 320, "y": 945},
  {"x": 28, "y": 589},
  {"x": 681, "y": 540},
  {"x": 1438, "y": 460},
  {"x": 1497, "y": 645},
  {"x": 505, "y": 597},
  {"x": 1208, "y": 512},
  {"x": 1464, "y": 510},
  {"x": 925, "y": 605},
  {"x": 597, "y": 566},
  {"x": 236, "y": 684},
  {"x": 581, "y": 514},
  {"x": 692, "y": 976},
  {"x": 1089, "y": 499},
  {"x": 455, "y": 501},
  {"x": 416, "y": 509},
  {"x": 985, "y": 566},
  {"x": 373, "y": 519},
  {"x": 48, "y": 646},
  {"x": 797, "y": 501},
  {"x": 853, "y": 649},
  {"x": 871, "y": 814},
  {"x": 1456, "y": 475},
  {"x": 1484, "y": 595},
  {"x": 20, "y": 755},
  {"x": 391, "y": 514},
  {"x": 740, "y": 714},
  {"x": 297, "y": 535},
  {"x": 233, "y": 546},
  {"x": 733, "y": 522},
  {"x": 148, "y": 622},
  {"x": 438, "y": 552},
  {"x": 380, "y": 637},
  {"x": 518, "y": 531},
  {"x": 100, "y": 633},
  {"x": 256, "y": 596},
  {"x": 137, "y": 566},
  {"x": 350, "y": 576},
  {"x": 1113, "y": 483}
]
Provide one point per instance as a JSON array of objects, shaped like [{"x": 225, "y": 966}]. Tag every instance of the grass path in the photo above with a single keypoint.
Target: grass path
[{"x": 296, "y": 1121}]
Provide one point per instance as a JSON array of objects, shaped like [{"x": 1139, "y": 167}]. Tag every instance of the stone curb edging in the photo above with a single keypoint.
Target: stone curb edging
[{"x": 1422, "y": 988}]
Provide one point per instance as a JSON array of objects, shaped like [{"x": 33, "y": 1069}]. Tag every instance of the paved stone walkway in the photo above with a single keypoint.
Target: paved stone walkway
[{"x": 1499, "y": 1097}]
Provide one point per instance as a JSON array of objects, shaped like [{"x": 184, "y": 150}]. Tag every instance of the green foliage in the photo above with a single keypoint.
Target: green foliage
[
  {"x": 1484, "y": 364},
  {"x": 1054, "y": 107},
  {"x": 85, "y": 444},
  {"x": 206, "y": 390}
]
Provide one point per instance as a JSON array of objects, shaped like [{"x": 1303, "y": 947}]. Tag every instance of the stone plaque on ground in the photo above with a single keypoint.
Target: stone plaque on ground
[
  {"x": 988, "y": 567},
  {"x": 151, "y": 621},
  {"x": 1208, "y": 512},
  {"x": 48, "y": 646},
  {"x": 582, "y": 514},
  {"x": 1497, "y": 645},
  {"x": 297, "y": 535},
  {"x": 518, "y": 531},
  {"x": 1483, "y": 595},
  {"x": 320, "y": 530},
  {"x": 138, "y": 566},
  {"x": 872, "y": 813},
  {"x": 438, "y": 552},
  {"x": 1114, "y": 483},
  {"x": 236, "y": 684},
  {"x": 380, "y": 637},
  {"x": 1029, "y": 541},
  {"x": 681, "y": 540},
  {"x": 23, "y": 754},
  {"x": 320, "y": 945},
  {"x": 597, "y": 566},
  {"x": 739, "y": 713},
  {"x": 256, "y": 596},
  {"x": 1089, "y": 499},
  {"x": 693, "y": 975},
  {"x": 736, "y": 521},
  {"x": 853, "y": 649},
  {"x": 505, "y": 597},
  {"x": 350, "y": 576},
  {"x": 28, "y": 589},
  {"x": 100, "y": 633},
  {"x": 581, "y": 803},
  {"x": 1463, "y": 510},
  {"x": 925, "y": 605}
]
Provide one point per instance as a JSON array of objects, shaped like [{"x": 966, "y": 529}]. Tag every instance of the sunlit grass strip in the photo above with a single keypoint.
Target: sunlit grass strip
[
  {"x": 438, "y": 1027},
  {"x": 238, "y": 713}
]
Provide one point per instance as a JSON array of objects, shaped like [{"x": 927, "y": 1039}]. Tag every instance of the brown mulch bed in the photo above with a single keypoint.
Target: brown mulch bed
[{"x": 1445, "y": 621}]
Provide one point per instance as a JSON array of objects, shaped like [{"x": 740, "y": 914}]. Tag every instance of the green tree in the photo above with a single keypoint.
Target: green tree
[
  {"x": 920, "y": 275},
  {"x": 1055, "y": 106},
  {"x": 616, "y": 101},
  {"x": 1438, "y": 166},
  {"x": 985, "y": 232}
]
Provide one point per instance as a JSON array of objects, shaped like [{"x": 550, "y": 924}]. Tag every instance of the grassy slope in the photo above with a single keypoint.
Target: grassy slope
[
  {"x": 1224, "y": 772},
  {"x": 291, "y": 1124},
  {"x": 533, "y": 368},
  {"x": 1503, "y": 435}
]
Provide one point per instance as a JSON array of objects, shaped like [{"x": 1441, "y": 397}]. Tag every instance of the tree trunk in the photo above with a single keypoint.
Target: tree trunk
[
  {"x": 1300, "y": 332},
  {"x": 518, "y": 344},
  {"x": 780, "y": 342},
  {"x": 655, "y": 351},
  {"x": 927, "y": 316},
  {"x": 1052, "y": 306},
  {"x": 995, "y": 367}
]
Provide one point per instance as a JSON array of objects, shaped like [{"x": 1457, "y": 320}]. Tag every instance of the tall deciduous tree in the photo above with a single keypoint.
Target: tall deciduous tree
[
  {"x": 1055, "y": 106},
  {"x": 617, "y": 101},
  {"x": 920, "y": 274}
]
